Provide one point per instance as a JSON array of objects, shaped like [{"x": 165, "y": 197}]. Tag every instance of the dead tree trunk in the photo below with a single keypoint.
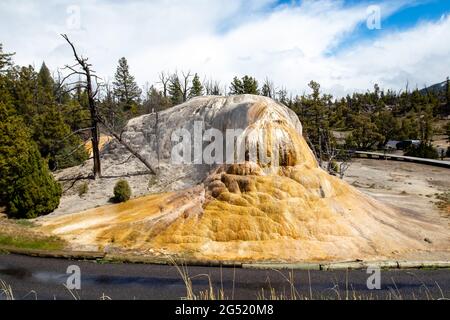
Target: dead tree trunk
[
  {"x": 185, "y": 85},
  {"x": 87, "y": 72},
  {"x": 94, "y": 131},
  {"x": 127, "y": 146}
]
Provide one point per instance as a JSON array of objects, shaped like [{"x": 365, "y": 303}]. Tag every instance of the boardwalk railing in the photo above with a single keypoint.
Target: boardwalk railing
[{"x": 387, "y": 156}]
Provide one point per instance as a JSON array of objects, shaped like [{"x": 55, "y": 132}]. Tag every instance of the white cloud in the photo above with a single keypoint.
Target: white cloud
[
  {"x": 419, "y": 56},
  {"x": 289, "y": 44}
]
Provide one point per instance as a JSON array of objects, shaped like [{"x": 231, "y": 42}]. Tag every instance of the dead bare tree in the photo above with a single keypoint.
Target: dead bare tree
[
  {"x": 330, "y": 153},
  {"x": 268, "y": 89},
  {"x": 83, "y": 68},
  {"x": 164, "y": 81},
  {"x": 338, "y": 161},
  {"x": 212, "y": 88},
  {"x": 185, "y": 85},
  {"x": 343, "y": 167}
]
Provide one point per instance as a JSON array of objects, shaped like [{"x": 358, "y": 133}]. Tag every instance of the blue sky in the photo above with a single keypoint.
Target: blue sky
[
  {"x": 416, "y": 13},
  {"x": 410, "y": 15},
  {"x": 289, "y": 42}
]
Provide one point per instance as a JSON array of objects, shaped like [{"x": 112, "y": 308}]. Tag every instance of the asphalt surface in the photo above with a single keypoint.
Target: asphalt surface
[{"x": 39, "y": 278}]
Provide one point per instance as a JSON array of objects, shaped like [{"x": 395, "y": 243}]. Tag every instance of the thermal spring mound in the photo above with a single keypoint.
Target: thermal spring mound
[{"x": 276, "y": 204}]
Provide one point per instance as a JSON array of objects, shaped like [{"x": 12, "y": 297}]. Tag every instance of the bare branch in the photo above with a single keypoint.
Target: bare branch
[
  {"x": 127, "y": 146},
  {"x": 76, "y": 132},
  {"x": 61, "y": 83},
  {"x": 74, "y": 70},
  {"x": 69, "y": 90},
  {"x": 59, "y": 157},
  {"x": 81, "y": 61}
]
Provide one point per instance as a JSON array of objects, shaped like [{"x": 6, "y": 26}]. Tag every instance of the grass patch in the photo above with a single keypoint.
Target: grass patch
[
  {"x": 108, "y": 261},
  {"x": 21, "y": 235},
  {"x": 25, "y": 223},
  {"x": 50, "y": 243},
  {"x": 83, "y": 189}
]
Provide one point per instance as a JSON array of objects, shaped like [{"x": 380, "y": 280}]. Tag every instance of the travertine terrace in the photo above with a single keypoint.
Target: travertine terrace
[{"x": 286, "y": 209}]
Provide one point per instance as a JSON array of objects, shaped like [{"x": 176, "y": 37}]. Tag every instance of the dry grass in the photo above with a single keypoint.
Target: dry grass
[
  {"x": 444, "y": 203},
  {"x": 292, "y": 293},
  {"x": 264, "y": 294},
  {"x": 6, "y": 292},
  {"x": 209, "y": 294}
]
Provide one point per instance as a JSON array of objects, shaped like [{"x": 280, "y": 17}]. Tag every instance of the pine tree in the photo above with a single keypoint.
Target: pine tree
[
  {"x": 5, "y": 59},
  {"x": 250, "y": 85},
  {"x": 51, "y": 132},
  {"x": 50, "y": 128},
  {"x": 283, "y": 96},
  {"x": 24, "y": 87},
  {"x": 45, "y": 80},
  {"x": 197, "y": 87},
  {"x": 155, "y": 101},
  {"x": 26, "y": 186},
  {"x": 175, "y": 91},
  {"x": 46, "y": 86},
  {"x": 56, "y": 142},
  {"x": 76, "y": 114},
  {"x": 236, "y": 87},
  {"x": 246, "y": 85},
  {"x": 111, "y": 111},
  {"x": 365, "y": 133},
  {"x": 316, "y": 118},
  {"x": 387, "y": 126},
  {"x": 126, "y": 89}
]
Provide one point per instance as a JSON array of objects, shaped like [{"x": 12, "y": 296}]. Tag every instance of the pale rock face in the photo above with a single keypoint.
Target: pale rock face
[
  {"x": 152, "y": 136},
  {"x": 284, "y": 209}
]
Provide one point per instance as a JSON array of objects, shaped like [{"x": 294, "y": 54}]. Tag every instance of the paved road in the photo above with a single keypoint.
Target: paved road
[{"x": 32, "y": 278}]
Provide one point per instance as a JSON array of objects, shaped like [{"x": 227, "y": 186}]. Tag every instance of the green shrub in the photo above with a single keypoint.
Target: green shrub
[
  {"x": 83, "y": 189},
  {"x": 152, "y": 181},
  {"x": 34, "y": 194},
  {"x": 422, "y": 151},
  {"x": 26, "y": 185},
  {"x": 122, "y": 191},
  {"x": 334, "y": 166}
]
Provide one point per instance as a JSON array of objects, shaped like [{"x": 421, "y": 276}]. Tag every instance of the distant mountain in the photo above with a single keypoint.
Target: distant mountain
[{"x": 436, "y": 88}]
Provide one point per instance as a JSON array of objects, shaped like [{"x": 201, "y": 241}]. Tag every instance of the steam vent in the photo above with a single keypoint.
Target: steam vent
[{"x": 278, "y": 206}]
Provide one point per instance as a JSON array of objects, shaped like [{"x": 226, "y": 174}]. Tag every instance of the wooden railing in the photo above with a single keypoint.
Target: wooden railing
[{"x": 388, "y": 156}]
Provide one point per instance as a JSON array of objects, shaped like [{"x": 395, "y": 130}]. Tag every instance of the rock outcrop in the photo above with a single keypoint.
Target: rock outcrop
[
  {"x": 152, "y": 135},
  {"x": 277, "y": 205}
]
